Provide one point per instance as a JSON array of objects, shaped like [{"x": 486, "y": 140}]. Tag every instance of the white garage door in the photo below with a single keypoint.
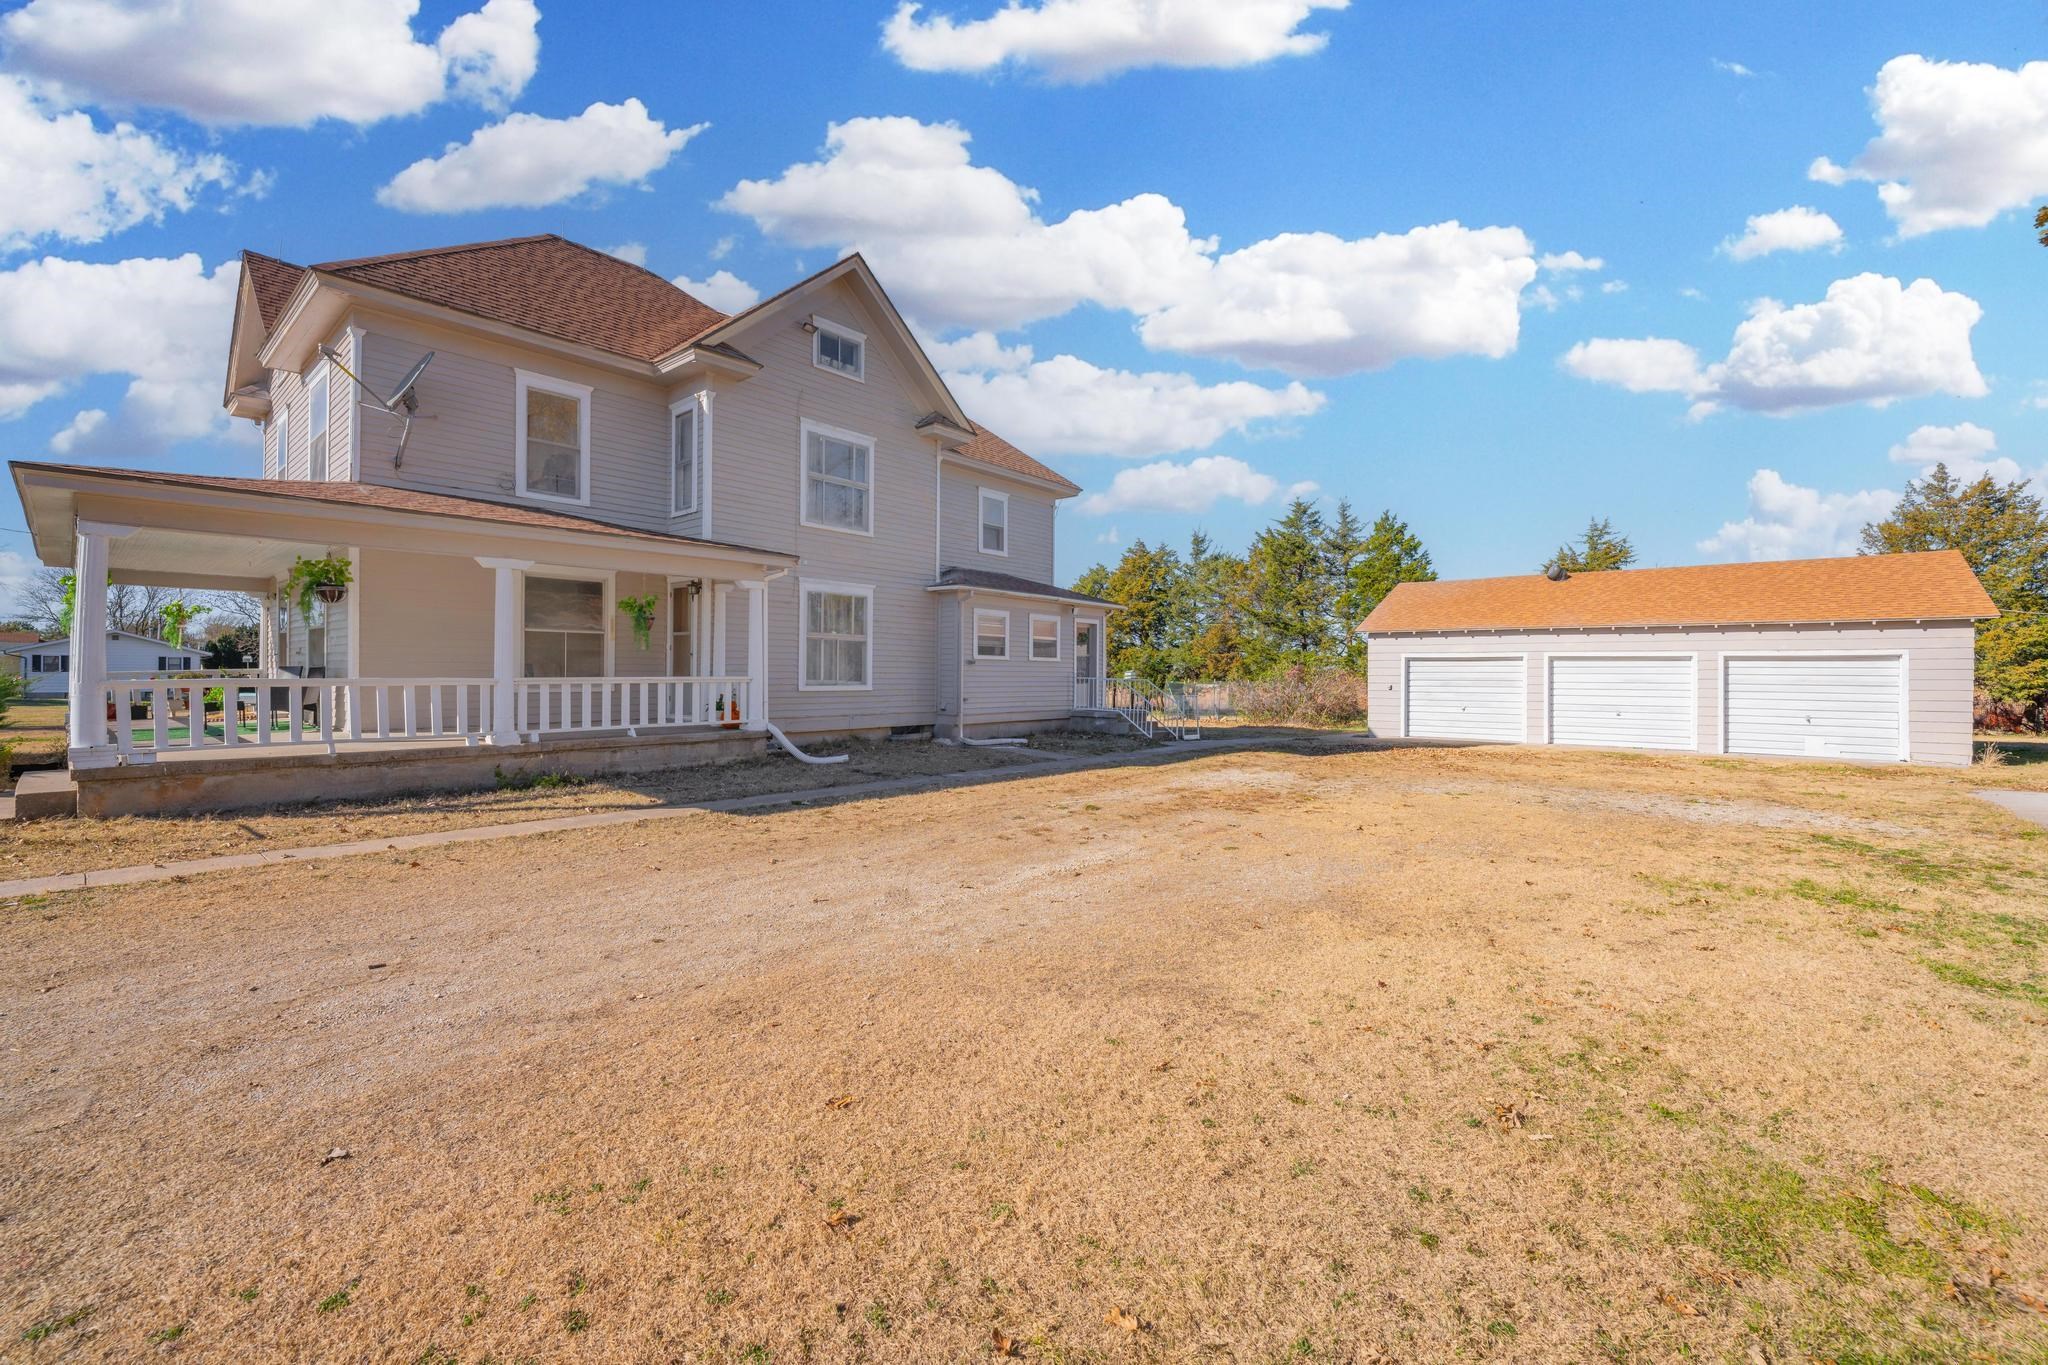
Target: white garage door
[
  {"x": 1467, "y": 699},
  {"x": 1617, "y": 703},
  {"x": 1816, "y": 705}
]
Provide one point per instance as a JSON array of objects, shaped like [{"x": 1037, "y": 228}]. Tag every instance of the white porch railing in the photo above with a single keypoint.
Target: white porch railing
[
  {"x": 147, "y": 715},
  {"x": 1146, "y": 707},
  {"x": 557, "y": 706}
]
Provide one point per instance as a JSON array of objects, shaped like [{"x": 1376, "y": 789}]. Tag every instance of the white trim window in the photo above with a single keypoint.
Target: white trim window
[
  {"x": 685, "y": 438},
  {"x": 995, "y": 522},
  {"x": 839, "y": 348},
  {"x": 284, "y": 445},
  {"x": 836, "y": 647},
  {"x": 991, "y": 634},
  {"x": 316, "y": 424},
  {"x": 564, "y": 621},
  {"x": 1045, "y": 637},
  {"x": 839, "y": 479},
  {"x": 552, "y": 438}
]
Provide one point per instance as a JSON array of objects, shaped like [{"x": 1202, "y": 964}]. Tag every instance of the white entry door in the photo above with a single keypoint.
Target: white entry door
[
  {"x": 1639, "y": 702},
  {"x": 1461, "y": 698},
  {"x": 1816, "y": 705}
]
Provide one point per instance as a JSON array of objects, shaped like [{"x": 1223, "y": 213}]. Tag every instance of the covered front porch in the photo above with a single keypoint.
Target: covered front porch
[{"x": 466, "y": 623}]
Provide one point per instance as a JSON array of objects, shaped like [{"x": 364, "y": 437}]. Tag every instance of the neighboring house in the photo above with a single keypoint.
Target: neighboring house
[
  {"x": 829, "y": 542},
  {"x": 13, "y": 665},
  {"x": 1869, "y": 657},
  {"x": 47, "y": 663}
]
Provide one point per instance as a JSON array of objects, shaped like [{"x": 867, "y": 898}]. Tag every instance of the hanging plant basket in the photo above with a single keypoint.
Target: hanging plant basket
[
  {"x": 324, "y": 579},
  {"x": 330, "y": 593}
]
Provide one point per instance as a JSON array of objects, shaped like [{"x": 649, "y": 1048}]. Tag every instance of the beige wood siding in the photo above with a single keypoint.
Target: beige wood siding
[
  {"x": 1020, "y": 687},
  {"x": 1940, "y": 664},
  {"x": 1030, "y": 532},
  {"x": 424, "y": 616},
  {"x": 757, "y": 462}
]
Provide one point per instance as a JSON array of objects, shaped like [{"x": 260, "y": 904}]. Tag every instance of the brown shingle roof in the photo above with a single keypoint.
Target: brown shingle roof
[
  {"x": 545, "y": 284},
  {"x": 1011, "y": 583},
  {"x": 991, "y": 449},
  {"x": 395, "y": 499},
  {"x": 1935, "y": 585},
  {"x": 273, "y": 281}
]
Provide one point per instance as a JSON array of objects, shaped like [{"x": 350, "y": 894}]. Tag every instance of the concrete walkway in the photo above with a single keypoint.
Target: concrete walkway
[
  {"x": 887, "y": 786},
  {"x": 2027, "y": 805}
]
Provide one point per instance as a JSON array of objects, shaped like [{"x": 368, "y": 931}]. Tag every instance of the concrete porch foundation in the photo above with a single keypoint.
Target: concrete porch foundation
[{"x": 186, "y": 785}]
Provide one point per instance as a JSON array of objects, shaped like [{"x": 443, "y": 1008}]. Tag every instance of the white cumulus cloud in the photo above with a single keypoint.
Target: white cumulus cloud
[
  {"x": 1958, "y": 142},
  {"x": 527, "y": 161},
  {"x": 161, "y": 322},
  {"x": 1795, "y": 229},
  {"x": 1193, "y": 487},
  {"x": 284, "y": 63},
  {"x": 633, "y": 253},
  {"x": 63, "y": 176},
  {"x": 1969, "y": 451},
  {"x": 1082, "y": 40},
  {"x": 1066, "y": 406},
  {"x": 723, "y": 290},
  {"x": 1789, "y": 521},
  {"x": 1870, "y": 340},
  {"x": 965, "y": 246}
]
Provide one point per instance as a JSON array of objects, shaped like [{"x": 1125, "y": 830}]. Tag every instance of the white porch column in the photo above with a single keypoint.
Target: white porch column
[
  {"x": 266, "y": 636},
  {"x": 757, "y": 654},
  {"x": 88, "y": 747},
  {"x": 504, "y": 644},
  {"x": 719, "y": 592}
]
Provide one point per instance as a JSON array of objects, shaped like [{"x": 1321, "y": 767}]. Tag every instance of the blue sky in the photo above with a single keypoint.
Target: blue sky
[{"x": 1334, "y": 332}]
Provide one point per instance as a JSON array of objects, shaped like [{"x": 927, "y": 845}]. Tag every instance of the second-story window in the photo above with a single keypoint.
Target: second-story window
[
  {"x": 838, "y": 479},
  {"x": 683, "y": 458},
  {"x": 995, "y": 522},
  {"x": 839, "y": 349},
  {"x": 553, "y": 439},
  {"x": 316, "y": 426}
]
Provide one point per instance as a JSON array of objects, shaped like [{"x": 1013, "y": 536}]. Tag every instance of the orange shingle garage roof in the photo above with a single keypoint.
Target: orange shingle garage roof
[{"x": 1936, "y": 585}]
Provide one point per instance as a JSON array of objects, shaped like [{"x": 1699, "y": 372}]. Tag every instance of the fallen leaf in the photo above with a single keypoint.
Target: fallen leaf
[
  {"x": 1676, "y": 1304},
  {"x": 1120, "y": 1316},
  {"x": 1166, "y": 1065},
  {"x": 839, "y": 1102},
  {"x": 839, "y": 1220},
  {"x": 1509, "y": 1115},
  {"x": 1003, "y": 1345}
]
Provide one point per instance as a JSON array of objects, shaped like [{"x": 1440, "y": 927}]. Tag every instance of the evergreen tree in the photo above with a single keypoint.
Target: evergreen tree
[
  {"x": 1148, "y": 583},
  {"x": 2002, "y": 530},
  {"x": 1288, "y": 595},
  {"x": 1597, "y": 550},
  {"x": 1390, "y": 554}
]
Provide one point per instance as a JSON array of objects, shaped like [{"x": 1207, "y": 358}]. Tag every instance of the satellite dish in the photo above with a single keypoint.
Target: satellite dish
[{"x": 404, "y": 403}]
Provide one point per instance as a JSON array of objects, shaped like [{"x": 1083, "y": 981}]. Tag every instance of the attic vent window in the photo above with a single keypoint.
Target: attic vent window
[{"x": 839, "y": 349}]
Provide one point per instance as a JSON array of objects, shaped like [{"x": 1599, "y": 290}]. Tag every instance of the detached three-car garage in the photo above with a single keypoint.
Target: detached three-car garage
[{"x": 1866, "y": 658}]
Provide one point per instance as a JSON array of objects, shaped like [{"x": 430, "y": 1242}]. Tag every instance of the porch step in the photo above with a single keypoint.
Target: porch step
[{"x": 45, "y": 795}]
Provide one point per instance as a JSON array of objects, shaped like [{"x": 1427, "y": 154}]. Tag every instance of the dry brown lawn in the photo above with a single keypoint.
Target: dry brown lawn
[{"x": 1327, "y": 1055}]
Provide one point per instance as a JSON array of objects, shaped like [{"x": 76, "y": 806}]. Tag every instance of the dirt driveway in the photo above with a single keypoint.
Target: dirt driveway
[{"x": 1272, "y": 1055}]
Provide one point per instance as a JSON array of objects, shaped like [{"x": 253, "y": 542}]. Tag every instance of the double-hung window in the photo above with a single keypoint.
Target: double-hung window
[
  {"x": 991, "y": 634},
  {"x": 838, "y": 648},
  {"x": 839, "y": 472},
  {"x": 282, "y": 469},
  {"x": 684, "y": 430},
  {"x": 839, "y": 349},
  {"x": 995, "y": 522},
  {"x": 565, "y": 620},
  {"x": 1045, "y": 637},
  {"x": 316, "y": 425},
  {"x": 552, "y": 438}
]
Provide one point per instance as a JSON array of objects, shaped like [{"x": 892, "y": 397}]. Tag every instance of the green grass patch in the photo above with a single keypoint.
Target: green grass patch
[
  {"x": 1956, "y": 974},
  {"x": 1809, "y": 890}
]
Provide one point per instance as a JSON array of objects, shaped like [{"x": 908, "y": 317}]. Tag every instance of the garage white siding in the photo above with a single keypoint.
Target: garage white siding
[
  {"x": 1939, "y": 663},
  {"x": 1467, "y": 698},
  {"x": 1623, "y": 702},
  {"x": 1816, "y": 706}
]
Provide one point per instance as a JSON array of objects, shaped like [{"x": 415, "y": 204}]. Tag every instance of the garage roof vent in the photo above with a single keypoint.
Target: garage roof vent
[{"x": 1556, "y": 573}]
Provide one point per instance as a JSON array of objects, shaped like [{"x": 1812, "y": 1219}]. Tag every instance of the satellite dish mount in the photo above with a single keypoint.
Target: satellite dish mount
[{"x": 404, "y": 402}]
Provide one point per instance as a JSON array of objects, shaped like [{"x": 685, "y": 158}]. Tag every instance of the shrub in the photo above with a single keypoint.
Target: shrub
[{"x": 1301, "y": 696}]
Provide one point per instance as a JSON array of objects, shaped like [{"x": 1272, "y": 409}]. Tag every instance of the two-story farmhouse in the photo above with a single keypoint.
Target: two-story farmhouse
[{"x": 575, "y": 503}]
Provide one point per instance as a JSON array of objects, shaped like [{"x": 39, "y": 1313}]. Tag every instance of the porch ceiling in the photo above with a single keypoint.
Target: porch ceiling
[{"x": 232, "y": 533}]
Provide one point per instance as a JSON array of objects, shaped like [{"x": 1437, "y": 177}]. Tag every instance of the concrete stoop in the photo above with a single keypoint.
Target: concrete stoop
[{"x": 45, "y": 795}]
